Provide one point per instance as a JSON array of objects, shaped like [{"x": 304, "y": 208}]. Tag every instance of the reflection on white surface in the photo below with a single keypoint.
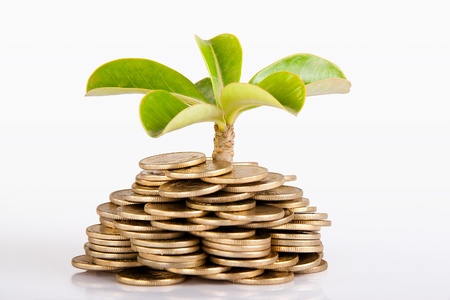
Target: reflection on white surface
[{"x": 102, "y": 285}]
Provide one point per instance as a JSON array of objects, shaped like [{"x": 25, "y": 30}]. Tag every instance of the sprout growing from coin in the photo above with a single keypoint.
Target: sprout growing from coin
[{"x": 171, "y": 101}]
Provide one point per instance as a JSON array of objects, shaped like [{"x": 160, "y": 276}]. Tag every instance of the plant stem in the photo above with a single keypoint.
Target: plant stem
[{"x": 223, "y": 143}]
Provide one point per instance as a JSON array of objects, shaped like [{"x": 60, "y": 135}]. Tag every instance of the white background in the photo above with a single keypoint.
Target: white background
[{"x": 377, "y": 159}]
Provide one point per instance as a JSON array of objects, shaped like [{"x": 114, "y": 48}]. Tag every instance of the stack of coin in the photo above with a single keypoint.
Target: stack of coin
[{"x": 186, "y": 214}]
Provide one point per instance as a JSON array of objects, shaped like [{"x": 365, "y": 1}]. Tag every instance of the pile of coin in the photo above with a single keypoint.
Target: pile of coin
[{"x": 188, "y": 215}]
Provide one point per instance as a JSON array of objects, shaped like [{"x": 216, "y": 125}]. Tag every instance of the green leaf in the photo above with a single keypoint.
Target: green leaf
[
  {"x": 311, "y": 69},
  {"x": 205, "y": 86},
  {"x": 162, "y": 112},
  {"x": 137, "y": 75},
  {"x": 223, "y": 58},
  {"x": 328, "y": 86},
  {"x": 238, "y": 97}
]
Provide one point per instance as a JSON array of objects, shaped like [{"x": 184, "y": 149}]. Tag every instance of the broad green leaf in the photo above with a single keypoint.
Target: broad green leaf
[
  {"x": 287, "y": 88},
  {"x": 162, "y": 112},
  {"x": 137, "y": 75},
  {"x": 223, "y": 58},
  {"x": 328, "y": 86},
  {"x": 310, "y": 68},
  {"x": 237, "y": 97},
  {"x": 205, "y": 86}
]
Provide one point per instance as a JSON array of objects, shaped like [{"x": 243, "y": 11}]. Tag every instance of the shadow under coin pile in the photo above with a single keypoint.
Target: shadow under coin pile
[{"x": 189, "y": 215}]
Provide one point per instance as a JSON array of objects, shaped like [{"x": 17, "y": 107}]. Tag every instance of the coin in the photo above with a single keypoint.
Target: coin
[
  {"x": 152, "y": 234},
  {"x": 85, "y": 262},
  {"x": 235, "y": 248},
  {"x": 166, "y": 251},
  {"x": 101, "y": 232},
  {"x": 216, "y": 221},
  {"x": 294, "y": 235},
  {"x": 304, "y": 209},
  {"x": 226, "y": 233},
  {"x": 305, "y": 261},
  {"x": 314, "y": 216},
  {"x": 260, "y": 238},
  {"x": 284, "y": 260},
  {"x": 117, "y": 197},
  {"x": 199, "y": 255},
  {"x": 172, "y": 160},
  {"x": 108, "y": 210},
  {"x": 298, "y": 249},
  {"x": 222, "y": 197},
  {"x": 184, "y": 241},
  {"x": 268, "y": 277},
  {"x": 110, "y": 249},
  {"x": 174, "y": 210},
  {"x": 163, "y": 265},
  {"x": 207, "y": 269},
  {"x": 135, "y": 225},
  {"x": 120, "y": 243},
  {"x": 108, "y": 255},
  {"x": 207, "y": 169},
  {"x": 217, "y": 207},
  {"x": 314, "y": 222},
  {"x": 245, "y": 263},
  {"x": 123, "y": 263},
  {"x": 150, "y": 183},
  {"x": 236, "y": 254},
  {"x": 295, "y": 225},
  {"x": 153, "y": 175},
  {"x": 272, "y": 180},
  {"x": 245, "y": 163},
  {"x": 235, "y": 274},
  {"x": 288, "y": 216},
  {"x": 137, "y": 198},
  {"x": 297, "y": 243},
  {"x": 181, "y": 225},
  {"x": 136, "y": 212},
  {"x": 319, "y": 268},
  {"x": 144, "y": 276},
  {"x": 240, "y": 174},
  {"x": 188, "y": 188},
  {"x": 144, "y": 190},
  {"x": 284, "y": 192},
  {"x": 259, "y": 213},
  {"x": 290, "y": 177},
  {"x": 107, "y": 222},
  {"x": 295, "y": 203}
]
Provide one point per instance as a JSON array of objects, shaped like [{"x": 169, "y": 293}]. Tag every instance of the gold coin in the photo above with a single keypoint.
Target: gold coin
[
  {"x": 153, "y": 175},
  {"x": 288, "y": 217},
  {"x": 150, "y": 183},
  {"x": 284, "y": 192},
  {"x": 226, "y": 233},
  {"x": 284, "y": 260},
  {"x": 110, "y": 249},
  {"x": 124, "y": 263},
  {"x": 222, "y": 197},
  {"x": 136, "y": 198},
  {"x": 120, "y": 243},
  {"x": 185, "y": 241},
  {"x": 290, "y": 177},
  {"x": 144, "y": 276},
  {"x": 235, "y": 248},
  {"x": 199, "y": 255},
  {"x": 323, "y": 265},
  {"x": 152, "y": 235},
  {"x": 245, "y": 163},
  {"x": 295, "y": 203},
  {"x": 174, "y": 210},
  {"x": 245, "y": 263},
  {"x": 108, "y": 210},
  {"x": 101, "y": 232},
  {"x": 217, "y": 207},
  {"x": 207, "y": 269},
  {"x": 215, "y": 221},
  {"x": 314, "y": 222},
  {"x": 259, "y": 213},
  {"x": 166, "y": 251},
  {"x": 173, "y": 160},
  {"x": 207, "y": 169},
  {"x": 135, "y": 225},
  {"x": 182, "y": 225},
  {"x": 85, "y": 262},
  {"x": 305, "y": 261},
  {"x": 188, "y": 188},
  {"x": 295, "y": 225},
  {"x": 272, "y": 180},
  {"x": 136, "y": 212},
  {"x": 292, "y": 235},
  {"x": 117, "y": 197},
  {"x": 268, "y": 277},
  {"x": 235, "y": 274},
  {"x": 304, "y": 209},
  {"x": 298, "y": 249},
  {"x": 107, "y": 222},
  {"x": 313, "y": 216},
  {"x": 163, "y": 265},
  {"x": 296, "y": 243},
  {"x": 235, "y": 254},
  {"x": 240, "y": 174},
  {"x": 144, "y": 190},
  {"x": 108, "y": 255},
  {"x": 260, "y": 238}
]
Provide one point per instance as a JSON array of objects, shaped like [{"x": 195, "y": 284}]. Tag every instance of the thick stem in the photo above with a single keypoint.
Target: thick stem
[{"x": 224, "y": 143}]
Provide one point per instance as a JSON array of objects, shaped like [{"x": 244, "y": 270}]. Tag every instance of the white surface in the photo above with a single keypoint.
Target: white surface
[{"x": 376, "y": 159}]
